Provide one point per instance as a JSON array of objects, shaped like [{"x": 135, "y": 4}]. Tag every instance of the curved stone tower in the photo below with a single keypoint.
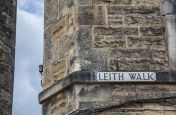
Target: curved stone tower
[
  {"x": 7, "y": 54},
  {"x": 109, "y": 57}
]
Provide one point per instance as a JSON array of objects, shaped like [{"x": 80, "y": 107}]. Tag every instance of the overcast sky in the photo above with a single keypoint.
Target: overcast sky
[{"x": 29, "y": 52}]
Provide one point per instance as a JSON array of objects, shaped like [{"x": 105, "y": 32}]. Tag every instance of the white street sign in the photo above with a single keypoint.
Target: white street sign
[{"x": 126, "y": 76}]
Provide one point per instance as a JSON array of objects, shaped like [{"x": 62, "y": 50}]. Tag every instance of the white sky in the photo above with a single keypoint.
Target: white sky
[{"x": 29, "y": 52}]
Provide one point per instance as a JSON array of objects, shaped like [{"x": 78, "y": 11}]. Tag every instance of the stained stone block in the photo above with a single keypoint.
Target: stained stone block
[
  {"x": 58, "y": 69},
  {"x": 60, "y": 27},
  {"x": 147, "y": 42},
  {"x": 152, "y": 31},
  {"x": 112, "y": 2},
  {"x": 144, "y": 20},
  {"x": 84, "y": 37},
  {"x": 115, "y": 31},
  {"x": 138, "y": 65},
  {"x": 51, "y": 12},
  {"x": 110, "y": 42},
  {"x": 139, "y": 10},
  {"x": 147, "y": 2},
  {"x": 63, "y": 7},
  {"x": 92, "y": 15}
]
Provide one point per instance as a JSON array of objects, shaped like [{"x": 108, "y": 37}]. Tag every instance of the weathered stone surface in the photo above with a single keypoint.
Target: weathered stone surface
[
  {"x": 109, "y": 41},
  {"x": 114, "y": 2},
  {"x": 92, "y": 15},
  {"x": 105, "y": 35},
  {"x": 128, "y": 10},
  {"x": 116, "y": 31},
  {"x": 89, "y": 59},
  {"x": 138, "y": 59},
  {"x": 7, "y": 49},
  {"x": 62, "y": 103},
  {"x": 147, "y": 2},
  {"x": 115, "y": 20},
  {"x": 144, "y": 20},
  {"x": 51, "y": 11},
  {"x": 60, "y": 27},
  {"x": 138, "y": 65},
  {"x": 152, "y": 31},
  {"x": 85, "y": 2},
  {"x": 86, "y": 31},
  {"x": 147, "y": 42},
  {"x": 87, "y": 93},
  {"x": 56, "y": 72},
  {"x": 132, "y": 53}
]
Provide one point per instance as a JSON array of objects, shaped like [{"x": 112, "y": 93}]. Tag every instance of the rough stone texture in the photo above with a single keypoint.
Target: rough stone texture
[
  {"x": 104, "y": 35},
  {"x": 101, "y": 35},
  {"x": 113, "y": 99},
  {"x": 7, "y": 49}
]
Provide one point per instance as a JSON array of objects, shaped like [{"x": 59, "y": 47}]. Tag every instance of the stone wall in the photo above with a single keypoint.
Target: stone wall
[
  {"x": 81, "y": 94},
  {"x": 105, "y": 35},
  {"x": 101, "y": 35},
  {"x": 7, "y": 48},
  {"x": 127, "y": 98}
]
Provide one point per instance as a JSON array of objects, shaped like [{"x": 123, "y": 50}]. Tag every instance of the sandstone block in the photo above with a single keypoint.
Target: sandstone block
[
  {"x": 130, "y": 53},
  {"x": 152, "y": 31},
  {"x": 47, "y": 82},
  {"x": 147, "y": 42},
  {"x": 112, "y": 2},
  {"x": 60, "y": 27},
  {"x": 128, "y": 10},
  {"x": 109, "y": 42},
  {"x": 147, "y": 2},
  {"x": 51, "y": 12},
  {"x": 92, "y": 15},
  {"x": 138, "y": 65},
  {"x": 115, "y": 31},
  {"x": 115, "y": 20},
  {"x": 144, "y": 20},
  {"x": 58, "y": 69}
]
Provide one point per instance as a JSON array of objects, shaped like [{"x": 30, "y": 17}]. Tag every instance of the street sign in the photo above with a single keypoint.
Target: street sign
[{"x": 126, "y": 76}]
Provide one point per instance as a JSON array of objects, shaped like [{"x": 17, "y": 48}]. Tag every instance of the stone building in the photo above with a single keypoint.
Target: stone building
[
  {"x": 109, "y": 57},
  {"x": 7, "y": 49}
]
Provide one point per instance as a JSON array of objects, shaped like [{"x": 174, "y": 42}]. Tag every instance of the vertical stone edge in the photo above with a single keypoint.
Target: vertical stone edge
[{"x": 169, "y": 11}]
